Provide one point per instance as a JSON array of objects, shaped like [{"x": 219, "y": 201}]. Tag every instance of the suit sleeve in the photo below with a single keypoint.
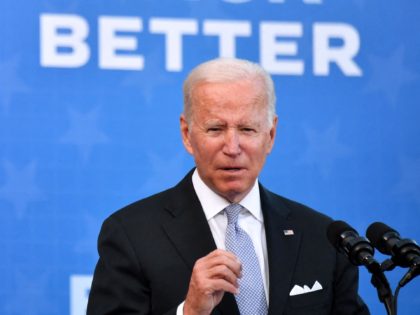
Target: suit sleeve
[
  {"x": 119, "y": 285},
  {"x": 346, "y": 298}
]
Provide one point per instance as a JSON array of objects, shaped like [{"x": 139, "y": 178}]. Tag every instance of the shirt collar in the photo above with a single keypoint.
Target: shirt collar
[{"x": 213, "y": 204}]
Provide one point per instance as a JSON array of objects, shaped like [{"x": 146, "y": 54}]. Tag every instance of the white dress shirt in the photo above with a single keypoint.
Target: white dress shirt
[{"x": 250, "y": 220}]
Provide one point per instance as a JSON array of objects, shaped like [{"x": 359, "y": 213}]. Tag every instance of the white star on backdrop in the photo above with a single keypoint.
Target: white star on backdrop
[
  {"x": 360, "y": 4},
  {"x": 20, "y": 188},
  {"x": 86, "y": 244},
  {"x": 10, "y": 82},
  {"x": 160, "y": 177},
  {"x": 29, "y": 295},
  {"x": 409, "y": 182},
  {"x": 323, "y": 149},
  {"x": 389, "y": 74},
  {"x": 141, "y": 80},
  {"x": 84, "y": 132}
]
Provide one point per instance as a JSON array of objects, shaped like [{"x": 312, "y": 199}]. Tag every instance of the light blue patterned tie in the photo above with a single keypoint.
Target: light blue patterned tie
[{"x": 251, "y": 297}]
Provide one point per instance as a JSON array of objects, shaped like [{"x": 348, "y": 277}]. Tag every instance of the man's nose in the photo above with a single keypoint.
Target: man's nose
[{"x": 232, "y": 145}]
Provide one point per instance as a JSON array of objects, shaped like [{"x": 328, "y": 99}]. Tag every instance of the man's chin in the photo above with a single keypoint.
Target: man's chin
[{"x": 233, "y": 193}]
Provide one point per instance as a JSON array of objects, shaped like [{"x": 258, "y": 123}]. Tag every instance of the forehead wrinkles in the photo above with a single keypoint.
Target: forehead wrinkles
[{"x": 212, "y": 98}]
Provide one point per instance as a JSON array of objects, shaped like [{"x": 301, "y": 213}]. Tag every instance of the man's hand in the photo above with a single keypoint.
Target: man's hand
[{"x": 212, "y": 276}]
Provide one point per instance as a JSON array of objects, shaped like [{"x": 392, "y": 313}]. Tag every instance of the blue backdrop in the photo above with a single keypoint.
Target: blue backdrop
[{"x": 90, "y": 95}]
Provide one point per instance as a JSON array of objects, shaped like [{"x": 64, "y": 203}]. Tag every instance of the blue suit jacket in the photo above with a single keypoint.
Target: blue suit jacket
[{"x": 148, "y": 249}]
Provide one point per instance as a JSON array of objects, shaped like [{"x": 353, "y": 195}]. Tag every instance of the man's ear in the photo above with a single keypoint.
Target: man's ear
[
  {"x": 185, "y": 133},
  {"x": 273, "y": 132}
]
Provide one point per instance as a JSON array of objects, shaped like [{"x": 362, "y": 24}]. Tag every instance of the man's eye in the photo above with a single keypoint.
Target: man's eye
[
  {"x": 213, "y": 129},
  {"x": 248, "y": 130}
]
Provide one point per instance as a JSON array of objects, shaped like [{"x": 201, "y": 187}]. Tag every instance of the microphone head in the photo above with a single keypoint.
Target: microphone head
[
  {"x": 335, "y": 232},
  {"x": 379, "y": 235}
]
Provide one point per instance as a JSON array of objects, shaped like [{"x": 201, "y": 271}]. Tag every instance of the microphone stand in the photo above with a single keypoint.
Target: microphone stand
[
  {"x": 381, "y": 284},
  {"x": 414, "y": 271}
]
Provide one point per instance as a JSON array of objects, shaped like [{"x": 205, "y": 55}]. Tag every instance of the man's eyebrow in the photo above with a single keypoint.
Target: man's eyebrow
[{"x": 214, "y": 122}]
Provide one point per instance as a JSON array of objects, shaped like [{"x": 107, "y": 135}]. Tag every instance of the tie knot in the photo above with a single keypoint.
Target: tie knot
[{"x": 232, "y": 212}]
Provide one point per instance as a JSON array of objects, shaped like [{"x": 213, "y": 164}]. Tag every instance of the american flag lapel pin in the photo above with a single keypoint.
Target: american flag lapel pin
[{"x": 288, "y": 232}]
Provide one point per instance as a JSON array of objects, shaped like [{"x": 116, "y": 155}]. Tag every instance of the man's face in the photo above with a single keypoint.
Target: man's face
[{"x": 229, "y": 135}]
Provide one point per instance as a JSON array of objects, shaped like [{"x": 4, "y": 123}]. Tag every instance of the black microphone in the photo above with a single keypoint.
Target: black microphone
[
  {"x": 404, "y": 252},
  {"x": 360, "y": 252},
  {"x": 346, "y": 240}
]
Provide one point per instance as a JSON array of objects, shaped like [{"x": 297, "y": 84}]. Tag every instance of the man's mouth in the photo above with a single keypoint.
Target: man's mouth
[{"x": 232, "y": 169}]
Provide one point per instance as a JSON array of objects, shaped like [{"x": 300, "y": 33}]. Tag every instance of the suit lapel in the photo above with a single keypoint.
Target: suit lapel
[
  {"x": 282, "y": 249},
  {"x": 188, "y": 229},
  {"x": 190, "y": 233}
]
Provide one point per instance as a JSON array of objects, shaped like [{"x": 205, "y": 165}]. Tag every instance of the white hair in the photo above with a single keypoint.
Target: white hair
[{"x": 223, "y": 70}]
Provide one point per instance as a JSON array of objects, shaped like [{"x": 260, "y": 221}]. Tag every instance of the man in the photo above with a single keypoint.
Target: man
[{"x": 219, "y": 242}]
